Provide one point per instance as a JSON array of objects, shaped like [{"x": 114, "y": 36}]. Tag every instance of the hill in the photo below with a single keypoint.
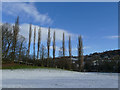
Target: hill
[
  {"x": 110, "y": 55},
  {"x": 108, "y": 61}
]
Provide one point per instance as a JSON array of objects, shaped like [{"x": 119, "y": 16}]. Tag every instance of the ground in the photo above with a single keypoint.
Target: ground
[{"x": 53, "y": 78}]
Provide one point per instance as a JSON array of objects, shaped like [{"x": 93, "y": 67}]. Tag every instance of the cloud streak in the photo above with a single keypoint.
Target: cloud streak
[
  {"x": 27, "y": 10},
  {"x": 67, "y": 50},
  {"x": 112, "y": 37}
]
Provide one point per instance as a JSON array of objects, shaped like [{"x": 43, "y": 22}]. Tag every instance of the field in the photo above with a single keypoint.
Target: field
[{"x": 56, "y": 78}]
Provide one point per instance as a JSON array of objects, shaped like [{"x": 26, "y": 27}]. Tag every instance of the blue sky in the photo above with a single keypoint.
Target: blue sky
[{"x": 96, "y": 22}]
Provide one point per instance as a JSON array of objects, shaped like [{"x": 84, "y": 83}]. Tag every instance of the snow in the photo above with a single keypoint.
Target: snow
[{"x": 52, "y": 78}]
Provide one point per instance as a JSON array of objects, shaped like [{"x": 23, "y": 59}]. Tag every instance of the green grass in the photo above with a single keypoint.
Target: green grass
[{"x": 18, "y": 66}]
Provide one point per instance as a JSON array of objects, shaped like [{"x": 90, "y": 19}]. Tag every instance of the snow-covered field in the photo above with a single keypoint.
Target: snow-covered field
[{"x": 50, "y": 78}]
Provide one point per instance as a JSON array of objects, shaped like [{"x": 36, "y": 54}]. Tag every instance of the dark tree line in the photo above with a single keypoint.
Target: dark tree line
[{"x": 14, "y": 48}]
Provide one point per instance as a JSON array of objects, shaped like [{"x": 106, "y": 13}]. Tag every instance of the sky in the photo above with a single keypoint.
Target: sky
[{"x": 96, "y": 22}]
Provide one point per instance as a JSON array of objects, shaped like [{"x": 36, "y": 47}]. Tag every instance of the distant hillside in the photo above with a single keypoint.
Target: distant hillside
[
  {"x": 110, "y": 55},
  {"x": 108, "y": 61}
]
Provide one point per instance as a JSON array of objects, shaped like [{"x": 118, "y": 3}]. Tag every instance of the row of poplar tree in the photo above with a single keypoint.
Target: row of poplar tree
[{"x": 14, "y": 48}]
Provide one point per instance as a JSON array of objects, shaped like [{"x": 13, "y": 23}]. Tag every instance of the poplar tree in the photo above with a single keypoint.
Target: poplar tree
[
  {"x": 15, "y": 37},
  {"x": 63, "y": 44},
  {"x": 63, "y": 52},
  {"x": 48, "y": 45},
  {"x": 54, "y": 48},
  {"x": 34, "y": 43},
  {"x": 30, "y": 35},
  {"x": 39, "y": 41},
  {"x": 70, "y": 60},
  {"x": 70, "y": 46},
  {"x": 80, "y": 54}
]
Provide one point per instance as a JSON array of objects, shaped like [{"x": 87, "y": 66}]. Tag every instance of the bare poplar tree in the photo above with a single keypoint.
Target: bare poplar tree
[
  {"x": 34, "y": 43},
  {"x": 15, "y": 36},
  {"x": 80, "y": 53},
  {"x": 54, "y": 47},
  {"x": 70, "y": 46},
  {"x": 30, "y": 35},
  {"x": 63, "y": 44},
  {"x": 63, "y": 51},
  {"x": 70, "y": 55},
  {"x": 48, "y": 44},
  {"x": 39, "y": 41}
]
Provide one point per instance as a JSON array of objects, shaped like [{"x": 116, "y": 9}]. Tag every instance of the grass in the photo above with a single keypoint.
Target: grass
[
  {"x": 22, "y": 66},
  {"x": 19, "y": 67}
]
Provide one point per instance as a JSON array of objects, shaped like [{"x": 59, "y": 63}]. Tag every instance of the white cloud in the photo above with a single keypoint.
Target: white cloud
[
  {"x": 24, "y": 30},
  {"x": 27, "y": 10},
  {"x": 56, "y": 47},
  {"x": 85, "y": 47},
  {"x": 112, "y": 37},
  {"x": 67, "y": 50}
]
